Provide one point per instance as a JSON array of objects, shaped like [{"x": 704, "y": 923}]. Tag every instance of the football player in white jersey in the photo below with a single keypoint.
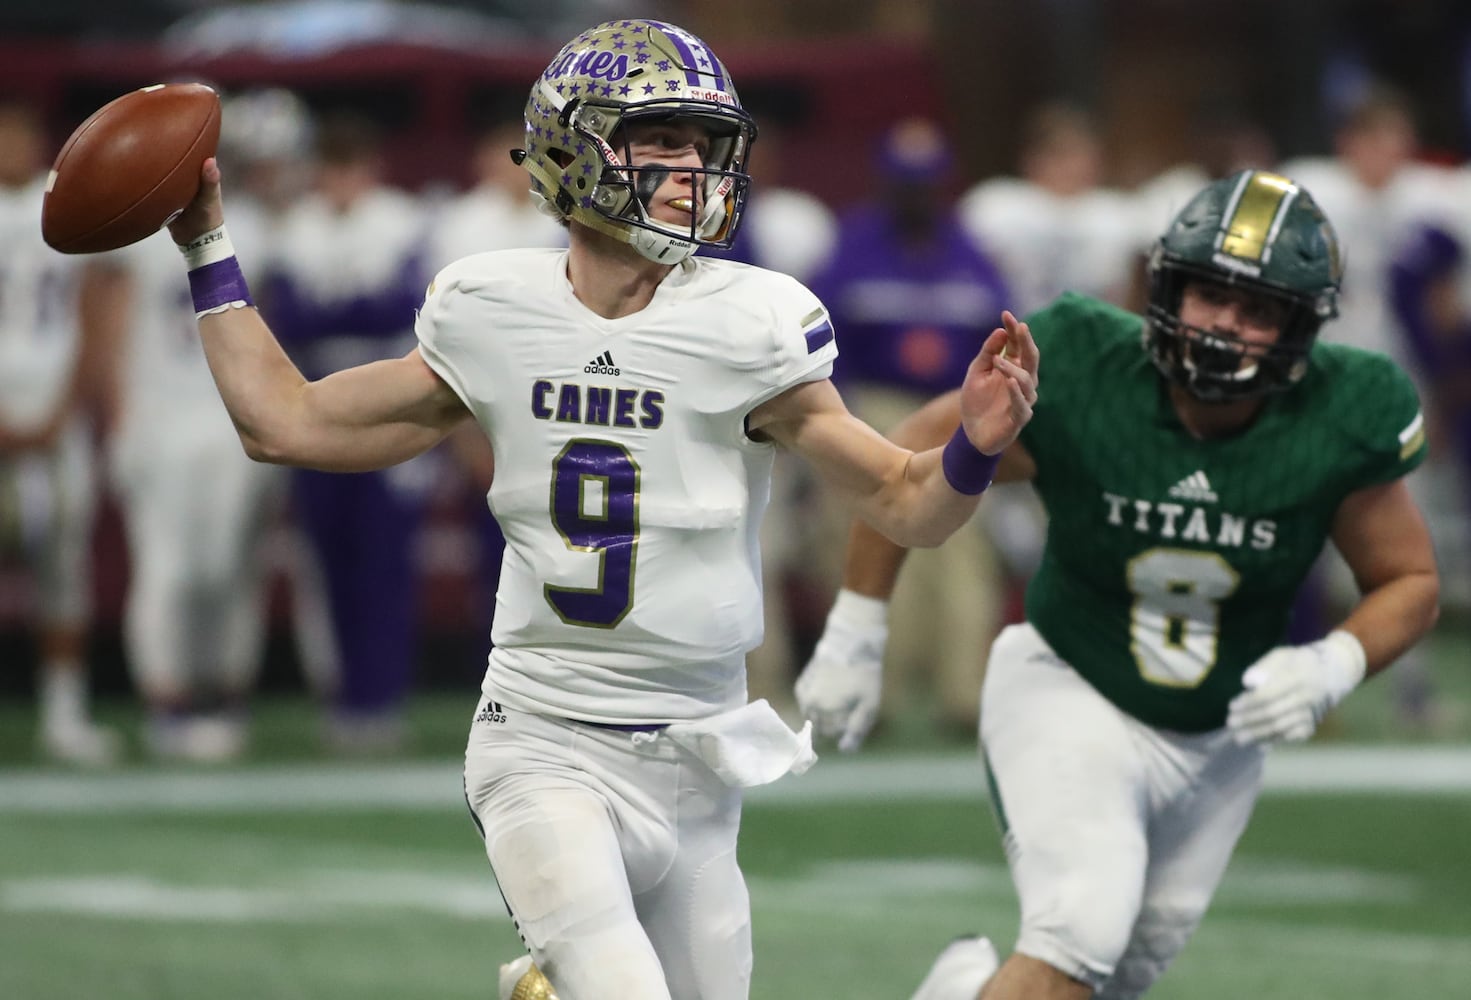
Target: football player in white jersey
[
  {"x": 1055, "y": 228},
  {"x": 48, "y": 364},
  {"x": 634, "y": 396},
  {"x": 195, "y": 508}
]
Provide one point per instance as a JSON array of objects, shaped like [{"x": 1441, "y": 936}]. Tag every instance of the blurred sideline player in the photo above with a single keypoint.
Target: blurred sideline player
[
  {"x": 50, "y": 344},
  {"x": 1378, "y": 195},
  {"x": 351, "y": 272},
  {"x": 496, "y": 213},
  {"x": 195, "y": 507},
  {"x": 786, "y": 229},
  {"x": 1053, "y": 227},
  {"x": 1193, "y": 464},
  {"x": 609, "y": 751},
  {"x": 911, "y": 292}
]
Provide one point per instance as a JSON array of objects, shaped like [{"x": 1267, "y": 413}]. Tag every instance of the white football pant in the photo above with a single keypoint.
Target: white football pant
[
  {"x": 616, "y": 857},
  {"x": 47, "y": 502},
  {"x": 1117, "y": 833},
  {"x": 196, "y": 510}
]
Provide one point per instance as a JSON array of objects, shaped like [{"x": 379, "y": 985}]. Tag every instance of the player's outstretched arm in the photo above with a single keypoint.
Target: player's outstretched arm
[
  {"x": 839, "y": 689},
  {"x": 361, "y": 418},
  {"x": 1383, "y": 537},
  {"x": 916, "y": 499}
]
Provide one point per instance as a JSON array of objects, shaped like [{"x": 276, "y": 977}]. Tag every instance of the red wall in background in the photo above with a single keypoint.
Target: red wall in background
[{"x": 836, "y": 96}]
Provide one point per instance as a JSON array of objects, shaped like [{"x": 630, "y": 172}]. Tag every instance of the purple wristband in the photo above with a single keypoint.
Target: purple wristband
[
  {"x": 967, "y": 470},
  {"x": 217, "y": 286}
]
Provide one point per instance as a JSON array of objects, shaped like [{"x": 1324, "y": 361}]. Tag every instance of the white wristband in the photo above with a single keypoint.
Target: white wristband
[
  {"x": 211, "y": 248},
  {"x": 860, "y": 611}
]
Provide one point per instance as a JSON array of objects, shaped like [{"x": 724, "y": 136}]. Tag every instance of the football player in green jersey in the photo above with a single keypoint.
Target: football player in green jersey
[{"x": 1189, "y": 485}]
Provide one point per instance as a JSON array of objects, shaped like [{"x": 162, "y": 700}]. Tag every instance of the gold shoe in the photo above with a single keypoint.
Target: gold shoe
[{"x": 522, "y": 980}]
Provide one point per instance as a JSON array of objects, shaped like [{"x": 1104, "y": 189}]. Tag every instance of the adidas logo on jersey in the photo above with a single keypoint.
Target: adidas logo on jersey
[
  {"x": 603, "y": 364},
  {"x": 1194, "y": 487},
  {"x": 491, "y": 711}
]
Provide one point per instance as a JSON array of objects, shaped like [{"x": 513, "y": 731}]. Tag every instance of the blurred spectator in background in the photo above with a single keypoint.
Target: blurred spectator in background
[
  {"x": 793, "y": 231},
  {"x": 1055, "y": 228},
  {"x": 267, "y": 134},
  {"x": 913, "y": 297},
  {"x": 1430, "y": 278},
  {"x": 1223, "y": 139},
  {"x": 1378, "y": 195},
  {"x": 496, "y": 213},
  {"x": 196, "y": 509},
  {"x": 353, "y": 272},
  {"x": 50, "y": 345},
  {"x": 1376, "y": 192}
]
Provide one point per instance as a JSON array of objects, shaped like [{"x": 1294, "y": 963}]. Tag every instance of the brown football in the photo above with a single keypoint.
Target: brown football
[{"x": 130, "y": 167}]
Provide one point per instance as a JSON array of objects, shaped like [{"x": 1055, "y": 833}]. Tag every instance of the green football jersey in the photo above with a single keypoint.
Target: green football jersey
[{"x": 1171, "y": 563}]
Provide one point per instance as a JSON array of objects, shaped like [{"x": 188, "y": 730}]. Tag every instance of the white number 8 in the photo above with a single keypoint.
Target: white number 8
[{"x": 1174, "y": 624}]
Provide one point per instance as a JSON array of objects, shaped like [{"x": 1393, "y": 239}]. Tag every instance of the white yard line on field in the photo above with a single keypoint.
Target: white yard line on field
[{"x": 436, "y": 785}]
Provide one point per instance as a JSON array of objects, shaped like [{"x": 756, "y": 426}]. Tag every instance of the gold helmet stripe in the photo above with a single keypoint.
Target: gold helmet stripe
[{"x": 1254, "y": 216}]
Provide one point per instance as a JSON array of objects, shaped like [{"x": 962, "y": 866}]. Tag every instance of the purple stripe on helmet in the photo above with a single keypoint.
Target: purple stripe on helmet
[
  {"x": 690, "y": 48},
  {"x": 818, "y": 336}
]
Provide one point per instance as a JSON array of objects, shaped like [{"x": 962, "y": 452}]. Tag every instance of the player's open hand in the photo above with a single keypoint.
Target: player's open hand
[
  {"x": 205, "y": 212},
  {"x": 1000, "y": 387}
]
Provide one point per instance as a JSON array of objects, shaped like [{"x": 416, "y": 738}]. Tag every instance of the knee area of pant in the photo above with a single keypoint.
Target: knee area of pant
[
  {"x": 1084, "y": 940},
  {"x": 1160, "y": 934}
]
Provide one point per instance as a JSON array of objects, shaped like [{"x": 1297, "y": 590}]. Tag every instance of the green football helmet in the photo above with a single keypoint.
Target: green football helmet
[
  {"x": 635, "y": 71},
  {"x": 1253, "y": 230}
]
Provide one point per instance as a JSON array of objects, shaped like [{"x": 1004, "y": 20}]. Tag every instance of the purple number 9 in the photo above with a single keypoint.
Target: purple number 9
[{"x": 595, "y": 486}]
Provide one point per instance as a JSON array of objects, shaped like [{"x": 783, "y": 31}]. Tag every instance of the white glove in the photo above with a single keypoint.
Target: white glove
[
  {"x": 1289, "y": 690},
  {"x": 840, "y": 686}
]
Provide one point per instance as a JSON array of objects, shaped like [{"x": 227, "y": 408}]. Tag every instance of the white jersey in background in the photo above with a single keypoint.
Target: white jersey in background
[
  {"x": 195, "y": 508},
  {"x": 1372, "y": 226},
  {"x": 1046, "y": 244},
  {"x": 484, "y": 219},
  {"x": 789, "y": 231},
  {"x": 626, "y": 487},
  {"x": 40, "y": 338},
  {"x": 333, "y": 255},
  {"x": 167, "y": 390},
  {"x": 1160, "y": 198}
]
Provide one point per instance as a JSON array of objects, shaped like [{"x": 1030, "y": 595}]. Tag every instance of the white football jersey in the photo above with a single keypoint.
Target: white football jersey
[
  {"x": 333, "y": 255},
  {"x": 1046, "y": 245},
  {"x": 628, "y": 491},
  {"x": 40, "y": 336}
]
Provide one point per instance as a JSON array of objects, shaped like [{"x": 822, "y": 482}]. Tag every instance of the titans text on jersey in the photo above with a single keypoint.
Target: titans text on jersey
[{"x": 1171, "y": 521}]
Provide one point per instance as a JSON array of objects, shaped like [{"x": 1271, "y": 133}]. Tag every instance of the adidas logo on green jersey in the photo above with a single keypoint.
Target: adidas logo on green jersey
[{"x": 1195, "y": 487}]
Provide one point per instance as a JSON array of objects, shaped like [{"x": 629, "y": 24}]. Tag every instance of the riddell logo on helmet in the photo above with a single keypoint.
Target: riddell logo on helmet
[{"x": 712, "y": 95}]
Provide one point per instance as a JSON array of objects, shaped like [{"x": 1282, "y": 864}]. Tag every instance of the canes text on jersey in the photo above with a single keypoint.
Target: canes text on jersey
[
  {"x": 601, "y": 405},
  {"x": 1188, "y": 523}
]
